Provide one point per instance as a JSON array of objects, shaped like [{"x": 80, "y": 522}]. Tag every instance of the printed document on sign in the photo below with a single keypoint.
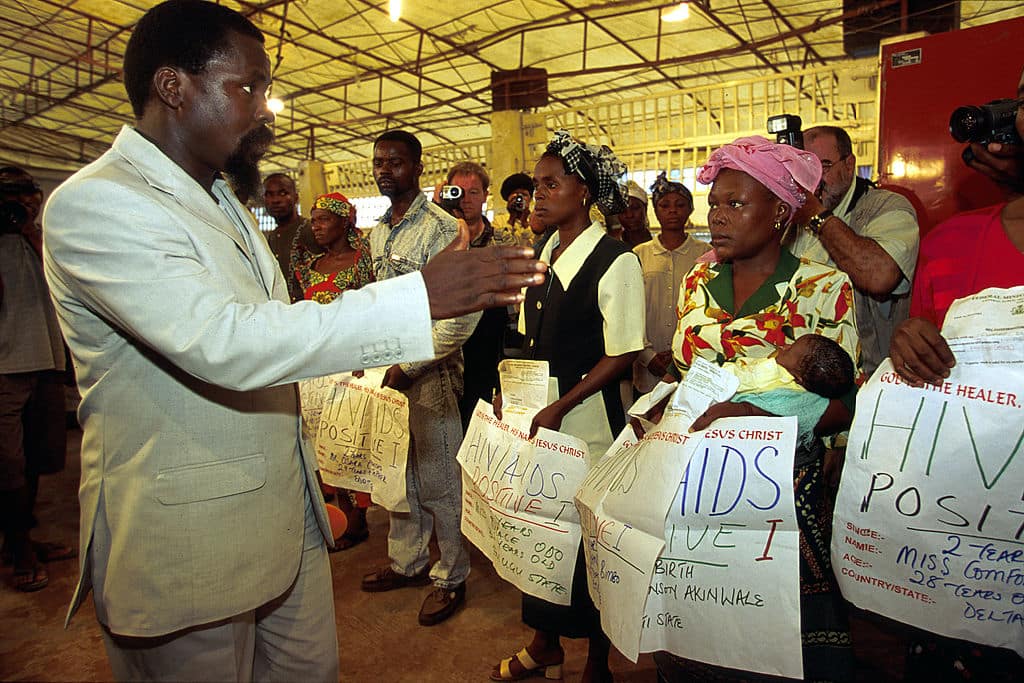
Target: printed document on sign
[
  {"x": 992, "y": 311},
  {"x": 524, "y": 390}
]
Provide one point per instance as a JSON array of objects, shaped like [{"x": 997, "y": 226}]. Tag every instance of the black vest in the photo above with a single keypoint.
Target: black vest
[{"x": 565, "y": 327}]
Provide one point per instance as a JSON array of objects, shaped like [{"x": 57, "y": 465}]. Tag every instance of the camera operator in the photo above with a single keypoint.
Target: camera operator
[
  {"x": 964, "y": 255},
  {"x": 482, "y": 351},
  {"x": 517, "y": 191},
  {"x": 1002, "y": 159},
  {"x": 31, "y": 382},
  {"x": 869, "y": 233}
]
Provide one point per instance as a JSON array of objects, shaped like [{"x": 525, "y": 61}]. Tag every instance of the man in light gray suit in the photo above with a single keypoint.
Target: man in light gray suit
[{"x": 202, "y": 534}]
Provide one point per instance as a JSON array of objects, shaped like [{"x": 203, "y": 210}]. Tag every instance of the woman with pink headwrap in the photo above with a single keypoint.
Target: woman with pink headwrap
[{"x": 756, "y": 299}]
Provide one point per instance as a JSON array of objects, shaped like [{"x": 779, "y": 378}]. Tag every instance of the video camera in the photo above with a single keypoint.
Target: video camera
[
  {"x": 517, "y": 203},
  {"x": 13, "y": 213},
  {"x": 992, "y": 122},
  {"x": 786, "y": 129},
  {"x": 12, "y": 216},
  {"x": 451, "y": 198}
]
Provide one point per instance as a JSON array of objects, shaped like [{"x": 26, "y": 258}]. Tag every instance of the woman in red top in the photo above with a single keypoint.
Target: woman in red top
[
  {"x": 345, "y": 264},
  {"x": 962, "y": 256}
]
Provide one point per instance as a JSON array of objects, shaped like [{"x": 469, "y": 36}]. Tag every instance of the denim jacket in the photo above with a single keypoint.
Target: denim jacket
[{"x": 424, "y": 231}]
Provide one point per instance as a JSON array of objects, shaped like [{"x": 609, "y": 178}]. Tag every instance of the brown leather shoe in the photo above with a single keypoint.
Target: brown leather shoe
[
  {"x": 441, "y": 603},
  {"x": 387, "y": 579}
]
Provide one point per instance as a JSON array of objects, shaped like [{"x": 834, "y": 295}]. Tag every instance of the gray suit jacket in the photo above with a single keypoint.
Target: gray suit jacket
[{"x": 194, "y": 474}]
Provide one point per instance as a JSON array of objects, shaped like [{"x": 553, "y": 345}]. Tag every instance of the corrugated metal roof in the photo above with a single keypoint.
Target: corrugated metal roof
[{"x": 346, "y": 71}]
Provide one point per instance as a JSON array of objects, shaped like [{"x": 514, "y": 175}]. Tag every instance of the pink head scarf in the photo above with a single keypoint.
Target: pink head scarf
[{"x": 788, "y": 173}]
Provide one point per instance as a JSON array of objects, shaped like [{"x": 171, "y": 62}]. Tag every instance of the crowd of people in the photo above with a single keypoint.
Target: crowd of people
[{"x": 812, "y": 277}]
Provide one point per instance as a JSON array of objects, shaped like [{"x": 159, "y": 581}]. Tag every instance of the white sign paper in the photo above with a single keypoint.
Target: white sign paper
[
  {"x": 362, "y": 438},
  {"x": 929, "y": 520},
  {"x": 622, "y": 505},
  {"x": 992, "y": 311},
  {"x": 726, "y": 589},
  {"x": 626, "y": 508},
  {"x": 524, "y": 390},
  {"x": 517, "y": 505}
]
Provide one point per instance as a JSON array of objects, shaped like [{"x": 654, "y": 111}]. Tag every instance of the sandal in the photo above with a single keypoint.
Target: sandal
[
  {"x": 48, "y": 551},
  {"x": 347, "y": 540},
  {"x": 552, "y": 672},
  {"x": 44, "y": 550},
  {"x": 32, "y": 579}
]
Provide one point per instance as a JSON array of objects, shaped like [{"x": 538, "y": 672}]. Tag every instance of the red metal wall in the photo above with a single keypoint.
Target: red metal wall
[{"x": 922, "y": 81}]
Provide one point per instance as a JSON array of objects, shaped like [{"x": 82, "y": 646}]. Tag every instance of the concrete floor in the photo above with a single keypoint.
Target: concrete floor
[{"x": 379, "y": 637}]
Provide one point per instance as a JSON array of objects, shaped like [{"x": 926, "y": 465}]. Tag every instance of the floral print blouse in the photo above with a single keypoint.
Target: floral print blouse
[
  {"x": 324, "y": 289},
  {"x": 800, "y": 297}
]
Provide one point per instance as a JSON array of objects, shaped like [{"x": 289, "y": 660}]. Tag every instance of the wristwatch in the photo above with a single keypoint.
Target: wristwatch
[{"x": 814, "y": 225}]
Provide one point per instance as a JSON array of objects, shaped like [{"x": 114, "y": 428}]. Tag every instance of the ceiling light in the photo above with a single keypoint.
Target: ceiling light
[
  {"x": 680, "y": 12},
  {"x": 395, "y": 9},
  {"x": 275, "y": 104}
]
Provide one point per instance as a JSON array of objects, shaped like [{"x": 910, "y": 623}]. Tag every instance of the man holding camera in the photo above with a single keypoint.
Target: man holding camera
[
  {"x": 409, "y": 233},
  {"x": 482, "y": 350},
  {"x": 869, "y": 233},
  {"x": 31, "y": 382},
  {"x": 961, "y": 256},
  {"x": 517, "y": 191}
]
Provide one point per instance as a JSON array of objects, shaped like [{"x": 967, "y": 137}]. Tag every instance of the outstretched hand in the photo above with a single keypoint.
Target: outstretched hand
[
  {"x": 919, "y": 352},
  {"x": 460, "y": 280}
]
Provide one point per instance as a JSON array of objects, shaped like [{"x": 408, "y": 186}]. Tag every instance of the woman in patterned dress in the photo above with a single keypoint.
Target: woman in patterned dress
[
  {"x": 756, "y": 299},
  {"x": 345, "y": 264}
]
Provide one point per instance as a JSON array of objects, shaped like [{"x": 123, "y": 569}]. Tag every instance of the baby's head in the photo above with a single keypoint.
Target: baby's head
[{"x": 818, "y": 364}]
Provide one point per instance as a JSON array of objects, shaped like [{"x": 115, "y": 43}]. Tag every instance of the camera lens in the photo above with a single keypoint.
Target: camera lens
[{"x": 969, "y": 124}]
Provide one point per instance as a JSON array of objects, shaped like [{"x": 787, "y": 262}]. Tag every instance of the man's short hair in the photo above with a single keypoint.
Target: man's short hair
[
  {"x": 470, "y": 168},
  {"x": 516, "y": 181},
  {"x": 280, "y": 176},
  {"x": 184, "y": 34},
  {"x": 406, "y": 138},
  {"x": 842, "y": 138},
  {"x": 17, "y": 181},
  {"x": 826, "y": 369}
]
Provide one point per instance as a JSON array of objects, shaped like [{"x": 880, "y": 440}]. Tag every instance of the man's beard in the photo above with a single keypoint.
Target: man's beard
[
  {"x": 831, "y": 197},
  {"x": 242, "y": 167}
]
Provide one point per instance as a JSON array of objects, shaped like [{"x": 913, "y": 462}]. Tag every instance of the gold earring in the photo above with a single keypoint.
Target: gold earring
[{"x": 777, "y": 225}]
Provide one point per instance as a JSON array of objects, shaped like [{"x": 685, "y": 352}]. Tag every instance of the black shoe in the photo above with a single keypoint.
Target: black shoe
[
  {"x": 387, "y": 579},
  {"x": 441, "y": 603}
]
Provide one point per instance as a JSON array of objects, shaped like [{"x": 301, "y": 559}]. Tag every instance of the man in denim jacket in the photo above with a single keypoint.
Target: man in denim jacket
[{"x": 404, "y": 239}]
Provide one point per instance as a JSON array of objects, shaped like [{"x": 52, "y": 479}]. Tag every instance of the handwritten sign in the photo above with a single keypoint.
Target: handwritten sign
[
  {"x": 517, "y": 505},
  {"x": 362, "y": 438},
  {"x": 929, "y": 521},
  {"x": 622, "y": 505},
  {"x": 726, "y": 588},
  {"x": 312, "y": 394}
]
